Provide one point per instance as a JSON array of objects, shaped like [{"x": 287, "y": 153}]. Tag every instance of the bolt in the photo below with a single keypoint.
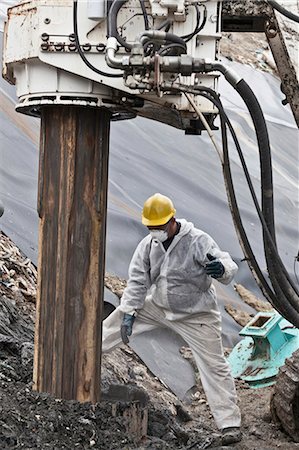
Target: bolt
[
  {"x": 45, "y": 37},
  {"x": 272, "y": 33},
  {"x": 101, "y": 48},
  {"x": 59, "y": 47},
  {"x": 86, "y": 47},
  {"x": 72, "y": 37},
  {"x": 47, "y": 20},
  {"x": 44, "y": 46}
]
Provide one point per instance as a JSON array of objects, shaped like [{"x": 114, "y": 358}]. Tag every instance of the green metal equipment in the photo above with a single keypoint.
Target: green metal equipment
[{"x": 268, "y": 340}]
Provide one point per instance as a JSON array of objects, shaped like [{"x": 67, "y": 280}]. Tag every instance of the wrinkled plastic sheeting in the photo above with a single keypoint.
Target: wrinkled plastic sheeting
[{"x": 160, "y": 351}]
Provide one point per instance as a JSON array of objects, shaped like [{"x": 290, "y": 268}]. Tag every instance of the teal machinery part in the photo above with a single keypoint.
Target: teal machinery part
[{"x": 269, "y": 340}]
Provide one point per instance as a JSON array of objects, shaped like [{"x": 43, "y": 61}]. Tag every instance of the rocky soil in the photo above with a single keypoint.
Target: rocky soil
[{"x": 31, "y": 420}]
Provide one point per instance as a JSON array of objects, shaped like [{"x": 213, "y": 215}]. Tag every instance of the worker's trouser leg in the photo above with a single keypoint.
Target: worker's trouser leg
[
  {"x": 203, "y": 335},
  {"x": 204, "y": 338}
]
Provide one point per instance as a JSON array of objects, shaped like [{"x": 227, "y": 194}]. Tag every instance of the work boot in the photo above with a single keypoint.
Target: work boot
[{"x": 231, "y": 435}]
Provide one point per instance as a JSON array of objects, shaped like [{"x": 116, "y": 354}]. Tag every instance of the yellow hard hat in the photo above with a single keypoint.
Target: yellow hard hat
[{"x": 157, "y": 210}]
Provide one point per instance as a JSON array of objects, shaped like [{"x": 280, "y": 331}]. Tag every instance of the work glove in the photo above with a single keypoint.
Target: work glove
[
  {"x": 214, "y": 268},
  {"x": 126, "y": 327}
]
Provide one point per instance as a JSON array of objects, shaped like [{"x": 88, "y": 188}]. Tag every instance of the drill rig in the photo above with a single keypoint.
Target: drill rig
[{"x": 80, "y": 64}]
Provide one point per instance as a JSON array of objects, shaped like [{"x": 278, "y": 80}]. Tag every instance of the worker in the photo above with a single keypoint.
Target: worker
[{"x": 170, "y": 285}]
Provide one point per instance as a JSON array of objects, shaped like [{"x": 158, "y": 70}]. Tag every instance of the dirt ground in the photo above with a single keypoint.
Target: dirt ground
[{"x": 31, "y": 420}]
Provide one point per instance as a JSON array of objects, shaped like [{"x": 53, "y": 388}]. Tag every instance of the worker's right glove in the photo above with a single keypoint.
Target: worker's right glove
[
  {"x": 126, "y": 327},
  {"x": 214, "y": 268}
]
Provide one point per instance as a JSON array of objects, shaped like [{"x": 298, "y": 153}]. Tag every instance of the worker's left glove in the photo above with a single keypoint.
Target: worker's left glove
[
  {"x": 214, "y": 268},
  {"x": 126, "y": 327}
]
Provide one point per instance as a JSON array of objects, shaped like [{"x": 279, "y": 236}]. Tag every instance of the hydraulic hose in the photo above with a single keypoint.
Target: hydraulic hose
[
  {"x": 112, "y": 23},
  {"x": 283, "y": 307},
  {"x": 258, "y": 275},
  {"x": 265, "y": 153},
  {"x": 170, "y": 49},
  {"x": 283, "y": 11},
  {"x": 147, "y": 35},
  {"x": 162, "y": 37},
  {"x": 249, "y": 255},
  {"x": 166, "y": 25},
  {"x": 257, "y": 116},
  {"x": 81, "y": 53},
  {"x": 198, "y": 26},
  {"x": 276, "y": 269},
  {"x": 279, "y": 301},
  {"x": 284, "y": 301},
  {"x": 145, "y": 16}
]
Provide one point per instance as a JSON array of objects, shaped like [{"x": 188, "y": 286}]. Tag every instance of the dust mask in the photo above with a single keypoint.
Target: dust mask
[{"x": 159, "y": 235}]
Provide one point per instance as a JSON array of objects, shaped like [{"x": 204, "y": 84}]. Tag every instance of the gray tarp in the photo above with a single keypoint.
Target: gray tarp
[{"x": 148, "y": 157}]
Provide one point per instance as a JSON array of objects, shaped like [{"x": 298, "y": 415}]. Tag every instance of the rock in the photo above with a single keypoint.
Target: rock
[
  {"x": 239, "y": 316},
  {"x": 251, "y": 300},
  {"x": 27, "y": 352}
]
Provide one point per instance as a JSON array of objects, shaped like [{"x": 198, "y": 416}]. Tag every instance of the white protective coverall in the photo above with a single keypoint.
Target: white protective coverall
[{"x": 171, "y": 289}]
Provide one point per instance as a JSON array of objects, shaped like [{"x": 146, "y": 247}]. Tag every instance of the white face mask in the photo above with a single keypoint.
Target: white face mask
[{"x": 159, "y": 235}]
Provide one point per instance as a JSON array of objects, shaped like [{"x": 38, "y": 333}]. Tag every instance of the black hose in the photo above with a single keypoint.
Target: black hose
[
  {"x": 278, "y": 270},
  {"x": 198, "y": 27},
  {"x": 249, "y": 255},
  {"x": 278, "y": 300},
  {"x": 280, "y": 279},
  {"x": 145, "y": 16},
  {"x": 265, "y": 152},
  {"x": 283, "y": 11},
  {"x": 264, "y": 225},
  {"x": 171, "y": 41},
  {"x": 275, "y": 266},
  {"x": 166, "y": 24},
  {"x": 285, "y": 299},
  {"x": 163, "y": 38},
  {"x": 83, "y": 57},
  {"x": 173, "y": 38},
  {"x": 283, "y": 307},
  {"x": 234, "y": 208},
  {"x": 112, "y": 23},
  {"x": 187, "y": 37},
  {"x": 172, "y": 49}
]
